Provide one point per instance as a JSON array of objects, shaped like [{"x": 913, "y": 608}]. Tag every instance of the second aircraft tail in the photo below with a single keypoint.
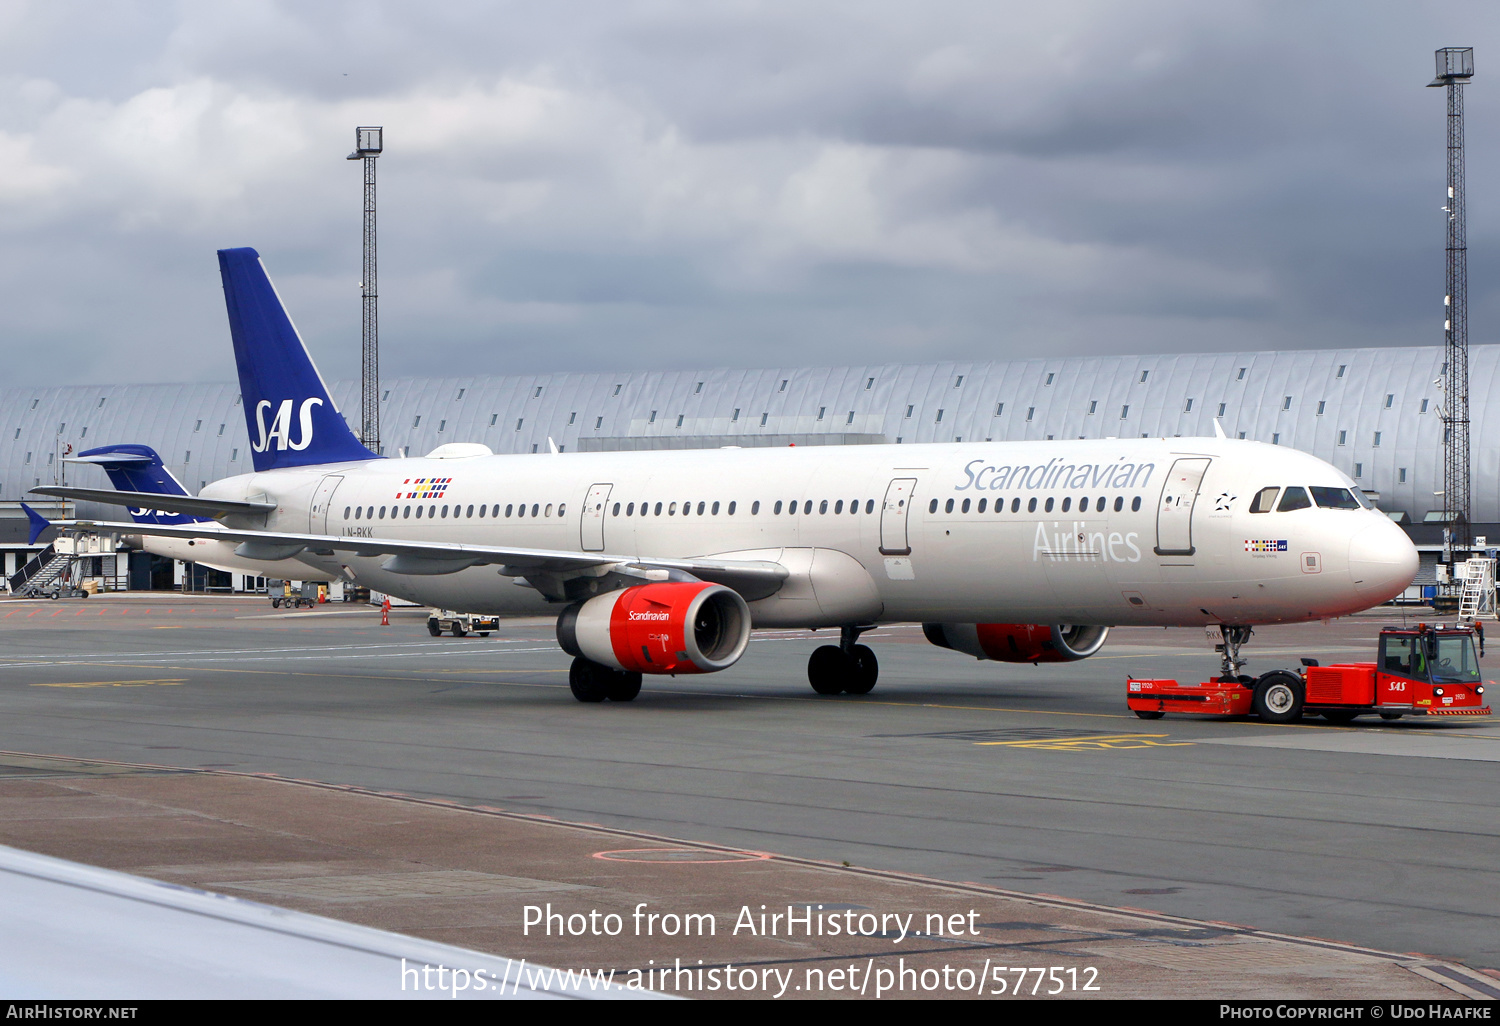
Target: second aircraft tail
[{"x": 138, "y": 468}]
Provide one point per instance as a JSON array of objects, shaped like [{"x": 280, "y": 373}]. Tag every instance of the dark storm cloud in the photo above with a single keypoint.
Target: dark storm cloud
[{"x": 586, "y": 185}]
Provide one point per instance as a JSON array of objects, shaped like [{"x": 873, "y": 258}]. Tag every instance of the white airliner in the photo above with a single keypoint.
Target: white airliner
[{"x": 662, "y": 562}]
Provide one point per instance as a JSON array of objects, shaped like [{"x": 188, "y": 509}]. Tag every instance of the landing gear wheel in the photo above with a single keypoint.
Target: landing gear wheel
[
  {"x": 829, "y": 671},
  {"x": 1278, "y": 697},
  {"x": 1339, "y": 715},
  {"x": 623, "y": 686},
  {"x": 459, "y": 632},
  {"x": 1390, "y": 716},
  {"x": 434, "y": 629},
  {"x": 1148, "y": 714},
  {"x": 864, "y": 670},
  {"x": 588, "y": 680}
]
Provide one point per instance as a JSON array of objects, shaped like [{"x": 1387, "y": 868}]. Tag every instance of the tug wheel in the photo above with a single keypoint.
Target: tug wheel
[{"x": 1278, "y": 697}]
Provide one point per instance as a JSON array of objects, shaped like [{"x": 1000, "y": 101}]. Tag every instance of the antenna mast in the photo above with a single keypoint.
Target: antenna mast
[
  {"x": 1455, "y": 66},
  {"x": 367, "y": 147}
]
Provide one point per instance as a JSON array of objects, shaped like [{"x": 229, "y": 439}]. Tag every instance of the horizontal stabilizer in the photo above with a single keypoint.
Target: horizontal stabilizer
[
  {"x": 38, "y": 523},
  {"x": 189, "y": 504},
  {"x": 112, "y": 459}
]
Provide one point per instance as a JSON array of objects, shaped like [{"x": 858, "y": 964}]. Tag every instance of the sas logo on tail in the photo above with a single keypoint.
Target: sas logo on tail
[
  {"x": 425, "y": 487},
  {"x": 281, "y": 425}
]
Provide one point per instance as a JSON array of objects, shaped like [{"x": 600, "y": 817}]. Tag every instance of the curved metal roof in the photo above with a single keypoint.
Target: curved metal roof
[{"x": 1371, "y": 412}]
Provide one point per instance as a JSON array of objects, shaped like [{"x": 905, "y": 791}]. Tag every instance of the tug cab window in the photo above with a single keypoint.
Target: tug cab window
[
  {"x": 1295, "y": 497},
  {"x": 1454, "y": 661},
  {"x": 1265, "y": 500},
  {"x": 1402, "y": 656}
]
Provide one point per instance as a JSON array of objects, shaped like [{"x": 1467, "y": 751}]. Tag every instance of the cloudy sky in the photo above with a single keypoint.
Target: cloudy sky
[{"x": 579, "y": 185}]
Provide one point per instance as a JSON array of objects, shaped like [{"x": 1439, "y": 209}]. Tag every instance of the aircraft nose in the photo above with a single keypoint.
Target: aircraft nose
[{"x": 1382, "y": 561}]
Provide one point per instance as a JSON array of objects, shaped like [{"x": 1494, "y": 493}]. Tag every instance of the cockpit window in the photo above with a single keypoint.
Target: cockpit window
[
  {"x": 1265, "y": 500},
  {"x": 1333, "y": 498},
  {"x": 1295, "y": 497}
]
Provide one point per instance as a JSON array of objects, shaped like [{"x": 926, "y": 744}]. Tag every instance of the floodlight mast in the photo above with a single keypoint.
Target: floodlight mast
[
  {"x": 1455, "y": 66},
  {"x": 367, "y": 146}
]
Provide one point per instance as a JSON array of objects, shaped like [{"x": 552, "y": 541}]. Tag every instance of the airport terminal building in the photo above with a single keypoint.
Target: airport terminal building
[{"x": 1374, "y": 413}]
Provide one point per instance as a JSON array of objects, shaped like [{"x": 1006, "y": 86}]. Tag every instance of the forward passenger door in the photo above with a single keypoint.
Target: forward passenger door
[{"x": 1174, "y": 512}]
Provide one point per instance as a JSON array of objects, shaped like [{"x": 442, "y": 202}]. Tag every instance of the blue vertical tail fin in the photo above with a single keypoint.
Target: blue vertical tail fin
[
  {"x": 138, "y": 468},
  {"x": 288, "y": 411}
]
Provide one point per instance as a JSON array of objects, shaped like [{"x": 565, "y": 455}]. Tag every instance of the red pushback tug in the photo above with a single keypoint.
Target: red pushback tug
[{"x": 1426, "y": 670}]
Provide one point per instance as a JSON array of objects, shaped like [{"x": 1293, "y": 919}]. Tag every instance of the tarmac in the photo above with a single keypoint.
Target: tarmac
[{"x": 452, "y": 789}]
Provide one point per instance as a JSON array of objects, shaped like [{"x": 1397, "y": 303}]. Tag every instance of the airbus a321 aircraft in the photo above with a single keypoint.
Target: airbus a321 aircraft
[{"x": 662, "y": 562}]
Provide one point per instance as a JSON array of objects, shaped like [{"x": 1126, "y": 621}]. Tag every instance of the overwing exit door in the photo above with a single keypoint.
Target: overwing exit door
[
  {"x": 1174, "y": 513},
  {"x": 893, "y": 537},
  {"x": 594, "y": 508}
]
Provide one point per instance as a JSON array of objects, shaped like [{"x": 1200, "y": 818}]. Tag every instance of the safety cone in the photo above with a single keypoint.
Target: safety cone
[{"x": 385, "y": 612}]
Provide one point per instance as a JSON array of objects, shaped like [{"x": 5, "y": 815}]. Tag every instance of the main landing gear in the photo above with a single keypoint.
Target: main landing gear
[
  {"x": 845, "y": 667},
  {"x": 592, "y": 682}
]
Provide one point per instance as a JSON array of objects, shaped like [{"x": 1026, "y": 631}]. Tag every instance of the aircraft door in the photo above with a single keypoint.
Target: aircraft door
[
  {"x": 322, "y": 502},
  {"x": 1174, "y": 513},
  {"x": 594, "y": 509},
  {"x": 893, "y": 537}
]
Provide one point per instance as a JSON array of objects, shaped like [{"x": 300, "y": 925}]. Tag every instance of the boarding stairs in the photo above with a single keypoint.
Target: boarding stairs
[
  {"x": 1477, "y": 578},
  {"x": 45, "y": 571}
]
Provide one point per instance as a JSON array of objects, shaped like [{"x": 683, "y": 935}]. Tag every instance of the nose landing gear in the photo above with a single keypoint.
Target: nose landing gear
[
  {"x": 1277, "y": 696},
  {"x": 1229, "y": 651},
  {"x": 845, "y": 667}
]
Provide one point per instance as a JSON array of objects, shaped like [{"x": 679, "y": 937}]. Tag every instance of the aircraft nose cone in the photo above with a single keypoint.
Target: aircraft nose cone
[{"x": 1382, "y": 561}]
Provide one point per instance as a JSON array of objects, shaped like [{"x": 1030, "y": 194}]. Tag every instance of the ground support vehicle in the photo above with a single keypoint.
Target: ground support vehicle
[
  {"x": 282, "y": 595},
  {"x": 1425, "y": 670},
  {"x": 460, "y": 624}
]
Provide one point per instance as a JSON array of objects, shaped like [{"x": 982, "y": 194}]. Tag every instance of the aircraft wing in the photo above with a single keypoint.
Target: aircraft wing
[
  {"x": 189, "y": 504},
  {"x": 547, "y": 570}
]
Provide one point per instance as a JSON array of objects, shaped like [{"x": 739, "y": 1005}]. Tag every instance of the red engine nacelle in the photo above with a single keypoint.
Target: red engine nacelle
[
  {"x": 672, "y": 627},
  {"x": 1019, "y": 642}
]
